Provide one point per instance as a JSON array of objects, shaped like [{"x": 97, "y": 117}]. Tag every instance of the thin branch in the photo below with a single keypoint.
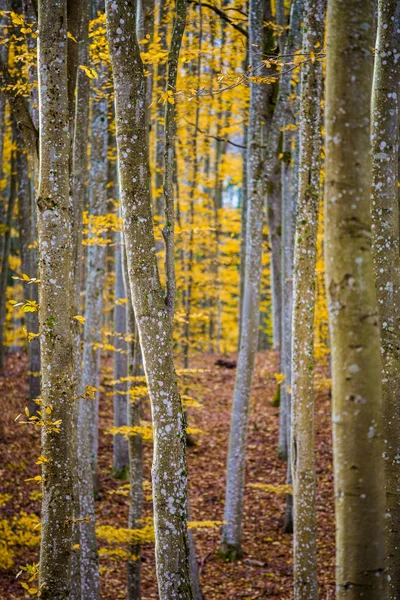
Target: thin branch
[
  {"x": 214, "y": 137},
  {"x": 222, "y": 15}
]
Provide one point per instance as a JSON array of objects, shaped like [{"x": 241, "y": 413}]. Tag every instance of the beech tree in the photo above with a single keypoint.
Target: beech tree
[
  {"x": 152, "y": 317},
  {"x": 353, "y": 311},
  {"x": 232, "y": 530},
  {"x": 164, "y": 163},
  {"x": 385, "y": 216},
  {"x": 55, "y": 316},
  {"x": 95, "y": 274},
  {"x": 302, "y": 440}
]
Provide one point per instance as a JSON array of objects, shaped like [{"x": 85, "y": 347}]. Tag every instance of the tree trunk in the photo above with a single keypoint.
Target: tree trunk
[
  {"x": 169, "y": 155},
  {"x": 160, "y": 81},
  {"x": 55, "y": 302},
  {"x": 385, "y": 216},
  {"x": 95, "y": 276},
  {"x": 353, "y": 318},
  {"x": 289, "y": 205},
  {"x": 274, "y": 215},
  {"x": 135, "y": 444},
  {"x": 302, "y": 439},
  {"x": 121, "y": 455},
  {"x": 85, "y": 577},
  {"x": 232, "y": 530},
  {"x": 6, "y": 253},
  {"x": 289, "y": 186},
  {"x": 27, "y": 236},
  {"x": 152, "y": 316}
]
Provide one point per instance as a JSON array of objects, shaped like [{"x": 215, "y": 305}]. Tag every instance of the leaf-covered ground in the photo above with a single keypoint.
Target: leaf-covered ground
[{"x": 265, "y": 570}]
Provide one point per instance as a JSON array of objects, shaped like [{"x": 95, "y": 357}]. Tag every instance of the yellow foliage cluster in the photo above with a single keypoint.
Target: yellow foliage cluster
[
  {"x": 22, "y": 530},
  {"x": 273, "y": 489}
]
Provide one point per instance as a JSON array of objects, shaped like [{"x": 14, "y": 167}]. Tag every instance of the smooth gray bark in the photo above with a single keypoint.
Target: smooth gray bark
[
  {"x": 353, "y": 311},
  {"x": 95, "y": 275},
  {"x": 121, "y": 454},
  {"x": 232, "y": 530}
]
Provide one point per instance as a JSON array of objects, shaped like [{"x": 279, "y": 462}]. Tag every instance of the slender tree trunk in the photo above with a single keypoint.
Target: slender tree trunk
[
  {"x": 353, "y": 318},
  {"x": 55, "y": 302},
  {"x": 121, "y": 454},
  {"x": 385, "y": 216},
  {"x": 148, "y": 7},
  {"x": 6, "y": 253},
  {"x": 160, "y": 113},
  {"x": 302, "y": 439},
  {"x": 289, "y": 205},
  {"x": 29, "y": 267},
  {"x": 95, "y": 276},
  {"x": 153, "y": 319},
  {"x": 243, "y": 229},
  {"x": 192, "y": 191},
  {"x": 232, "y": 530},
  {"x": 293, "y": 44},
  {"x": 135, "y": 444},
  {"x": 31, "y": 234},
  {"x": 169, "y": 155},
  {"x": 4, "y": 61},
  {"x": 85, "y": 577},
  {"x": 274, "y": 215}
]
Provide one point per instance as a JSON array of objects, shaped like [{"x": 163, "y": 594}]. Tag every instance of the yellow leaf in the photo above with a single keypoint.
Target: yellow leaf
[
  {"x": 38, "y": 479},
  {"x": 279, "y": 378},
  {"x": 17, "y": 19},
  {"x": 91, "y": 73},
  {"x": 71, "y": 37},
  {"x": 79, "y": 319}
]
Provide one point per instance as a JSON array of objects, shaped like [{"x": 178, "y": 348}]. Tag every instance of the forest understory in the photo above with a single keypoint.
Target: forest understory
[{"x": 265, "y": 571}]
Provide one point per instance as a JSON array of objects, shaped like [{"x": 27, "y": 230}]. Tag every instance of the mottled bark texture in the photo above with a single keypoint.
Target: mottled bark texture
[
  {"x": 232, "y": 530},
  {"x": 274, "y": 215},
  {"x": 160, "y": 81},
  {"x": 290, "y": 186},
  {"x": 135, "y": 443},
  {"x": 95, "y": 273},
  {"x": 302, "y": 438},
  {"x": 84, "y": 575},
  {"x": 27, "y": 229},
  {"x": 385, "y": 218},
  {"x": 55, "y": 301},
  {"x": 6, "y": 252},
  {"x": 169, "y": 150},
  {"x": 353, "y": 311},
  {"x": 289, "y": 202},
  {"x": 120, "y": 454},
  {"x": 169, "y": 463}
]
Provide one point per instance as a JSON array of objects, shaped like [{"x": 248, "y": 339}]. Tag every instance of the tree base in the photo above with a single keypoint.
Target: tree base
[{"x": 230, "y": 552}]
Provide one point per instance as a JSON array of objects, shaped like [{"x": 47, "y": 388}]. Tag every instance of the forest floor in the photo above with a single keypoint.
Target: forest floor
[{"x": 265, "y": 571}]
